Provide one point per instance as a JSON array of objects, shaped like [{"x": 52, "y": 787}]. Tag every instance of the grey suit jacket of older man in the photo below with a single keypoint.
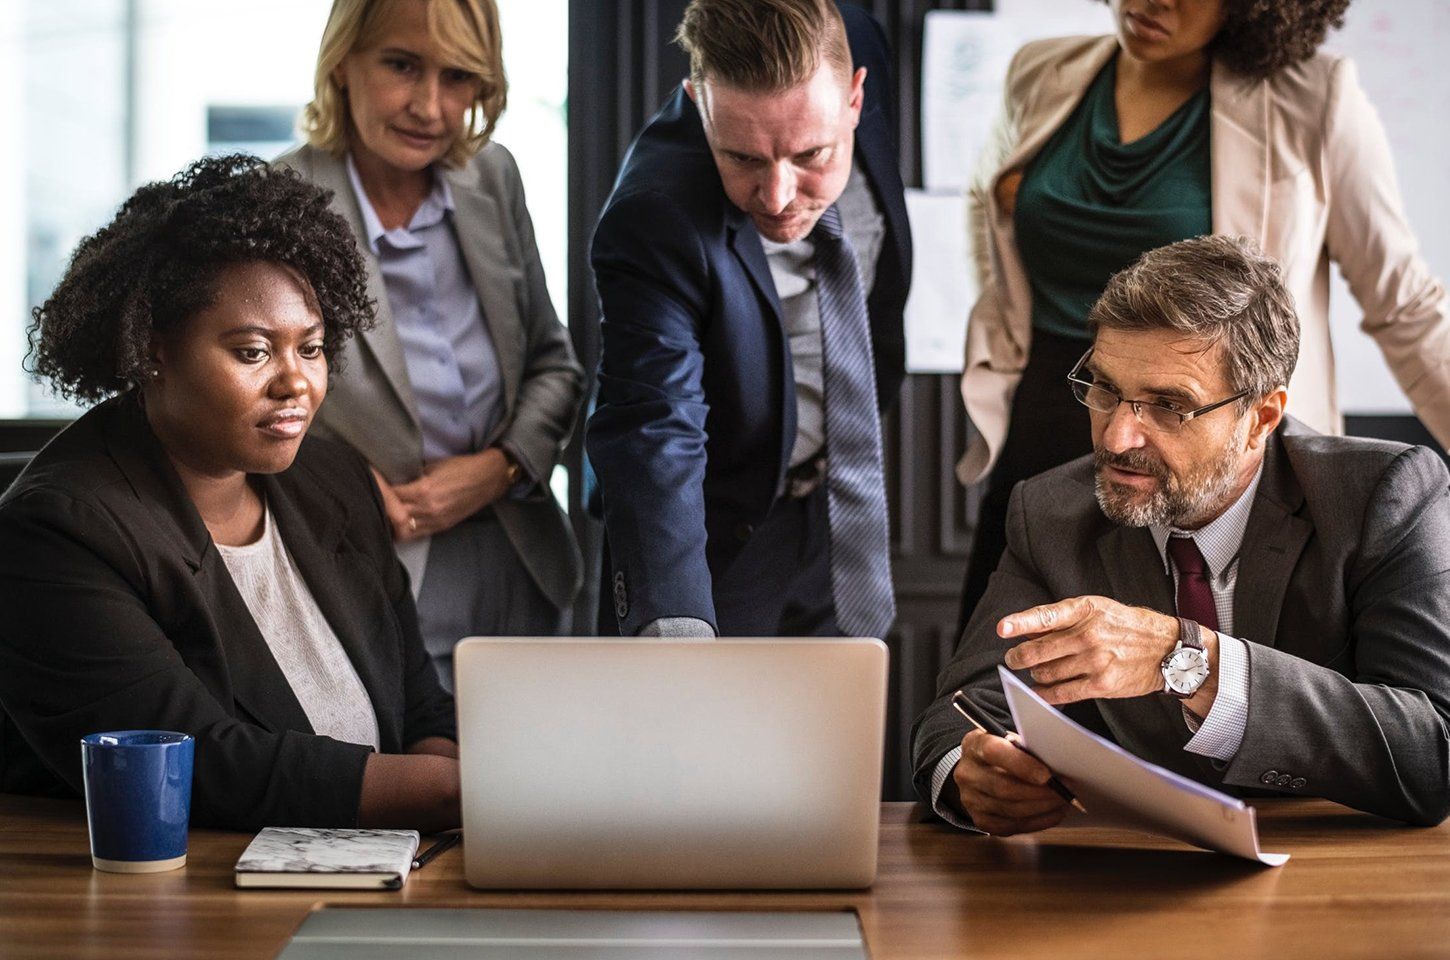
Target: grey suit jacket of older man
[
  {"x": 1343, "y": 597},
  {"x": 370, "y": 405}
]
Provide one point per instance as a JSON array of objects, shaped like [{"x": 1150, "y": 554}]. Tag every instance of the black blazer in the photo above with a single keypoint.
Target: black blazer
[
  {"x": 696, "y": 412},
  {"x": 119, "y": 613}
]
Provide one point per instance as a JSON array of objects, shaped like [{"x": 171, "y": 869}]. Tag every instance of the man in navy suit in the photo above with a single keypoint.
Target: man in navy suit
[{"x": 752, "y": 266}]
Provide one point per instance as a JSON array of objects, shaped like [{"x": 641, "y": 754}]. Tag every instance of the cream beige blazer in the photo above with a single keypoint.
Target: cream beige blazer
[{"x": 1299, "y": 163}]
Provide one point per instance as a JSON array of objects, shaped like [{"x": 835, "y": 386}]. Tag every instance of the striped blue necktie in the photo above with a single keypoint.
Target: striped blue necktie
[{"x": 855, "y": 486}]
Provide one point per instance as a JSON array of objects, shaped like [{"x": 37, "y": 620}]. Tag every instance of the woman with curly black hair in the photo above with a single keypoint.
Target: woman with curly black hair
[
  {"x": 1197, "y": 117},
  {"x": 183, "y": 557}
]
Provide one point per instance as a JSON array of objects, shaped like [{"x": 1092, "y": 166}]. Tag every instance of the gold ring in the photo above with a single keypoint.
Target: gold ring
[{"x": 413, "y": 524}]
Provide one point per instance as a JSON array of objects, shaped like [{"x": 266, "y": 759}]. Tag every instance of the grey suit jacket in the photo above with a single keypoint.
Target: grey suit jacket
[
  {"x": 1343, "y": 597},
  {"x": 370, "y": 405}
]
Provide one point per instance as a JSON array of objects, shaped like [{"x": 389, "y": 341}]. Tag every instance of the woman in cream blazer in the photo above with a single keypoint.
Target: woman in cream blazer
[{"x": 1298, "y": 162}]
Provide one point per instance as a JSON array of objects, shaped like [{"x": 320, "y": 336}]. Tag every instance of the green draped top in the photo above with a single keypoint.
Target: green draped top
[{"x": 1089, "y": 205}]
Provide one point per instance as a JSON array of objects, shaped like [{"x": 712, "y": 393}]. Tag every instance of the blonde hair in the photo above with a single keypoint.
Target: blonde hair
[
  {"x": 763, "y": 46},
  {"x": 466, "y": 31}
]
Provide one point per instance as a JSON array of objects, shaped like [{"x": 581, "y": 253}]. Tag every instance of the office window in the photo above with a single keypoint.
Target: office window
[{"x": 100, "y": 96}]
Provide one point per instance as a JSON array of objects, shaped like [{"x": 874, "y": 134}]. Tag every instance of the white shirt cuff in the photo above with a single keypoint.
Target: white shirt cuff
[
  {"x": 939, "y": 778},
  {"x": 1222, "y": 731}
]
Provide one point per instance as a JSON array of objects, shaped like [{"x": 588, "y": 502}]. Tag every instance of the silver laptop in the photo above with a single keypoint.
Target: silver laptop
[{"x": 704, "y": 764}]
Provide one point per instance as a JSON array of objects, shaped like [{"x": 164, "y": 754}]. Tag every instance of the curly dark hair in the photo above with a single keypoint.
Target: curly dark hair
[
  {"x": 156, "y": 264},
  {"x": 1261, "y": 37}
]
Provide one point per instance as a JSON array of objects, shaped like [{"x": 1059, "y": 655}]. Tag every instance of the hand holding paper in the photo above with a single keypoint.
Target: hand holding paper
[
  {"x": 1004, "y": 789},
  {"x": 1119, "y": 787}
]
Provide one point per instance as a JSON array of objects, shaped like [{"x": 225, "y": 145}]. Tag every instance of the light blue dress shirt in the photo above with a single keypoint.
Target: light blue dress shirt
[{"x": 452, "y": 365}]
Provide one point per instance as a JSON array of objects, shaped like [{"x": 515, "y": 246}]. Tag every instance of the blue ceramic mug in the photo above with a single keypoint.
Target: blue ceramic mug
[{"x": 138, "y": 798}]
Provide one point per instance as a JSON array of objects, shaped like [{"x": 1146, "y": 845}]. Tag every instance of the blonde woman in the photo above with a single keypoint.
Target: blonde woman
[
  {"x": 1195, "y": 117},
  {"x": 463, "y": 395}
]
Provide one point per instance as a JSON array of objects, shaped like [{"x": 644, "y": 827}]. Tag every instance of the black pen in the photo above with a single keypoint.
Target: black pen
[
  {"x": 983, "y": 721},
  {"x": 447, "y": 843}
]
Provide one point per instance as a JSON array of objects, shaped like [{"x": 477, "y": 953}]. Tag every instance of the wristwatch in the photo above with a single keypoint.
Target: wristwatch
[{"x": 1186, "y": 666}]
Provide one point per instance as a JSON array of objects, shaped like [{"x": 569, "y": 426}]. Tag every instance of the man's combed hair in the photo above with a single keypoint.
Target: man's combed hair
[
  {"x": 763, "y": 46},
  {"x": 1220, "y": 289},
  {"x": 156, "y": 265}
]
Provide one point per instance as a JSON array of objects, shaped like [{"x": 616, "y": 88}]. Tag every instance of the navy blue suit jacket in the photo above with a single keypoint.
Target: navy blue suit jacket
[{"x": 696, "y": 410}]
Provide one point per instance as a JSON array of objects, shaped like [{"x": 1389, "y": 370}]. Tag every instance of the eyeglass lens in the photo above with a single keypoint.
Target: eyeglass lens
[{"x": 1104, "y": 400}]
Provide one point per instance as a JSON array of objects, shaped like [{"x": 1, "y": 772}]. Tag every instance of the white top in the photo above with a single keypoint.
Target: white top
[{"x": 301, "y": 640}]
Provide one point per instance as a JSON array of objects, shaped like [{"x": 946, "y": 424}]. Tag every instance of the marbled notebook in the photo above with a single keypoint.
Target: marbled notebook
[{"x": 307, "y": 857}]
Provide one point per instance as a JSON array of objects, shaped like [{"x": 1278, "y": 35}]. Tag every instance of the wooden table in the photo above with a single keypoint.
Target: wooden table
[{"x": 1356, "y": 887}]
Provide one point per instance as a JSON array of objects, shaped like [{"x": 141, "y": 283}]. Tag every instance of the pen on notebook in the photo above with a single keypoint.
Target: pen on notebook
[
  {"x": 983, "y": 721},
  {"x": 447, "y": 843}
]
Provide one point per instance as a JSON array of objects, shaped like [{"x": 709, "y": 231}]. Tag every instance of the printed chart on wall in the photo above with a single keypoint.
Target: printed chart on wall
[
  {"x": 965, "y": 55},
  {"x": 1399, "y": 50}
]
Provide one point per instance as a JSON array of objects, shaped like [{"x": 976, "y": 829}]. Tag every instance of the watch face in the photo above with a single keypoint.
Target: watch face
[{"x": 1185, "y": 670}]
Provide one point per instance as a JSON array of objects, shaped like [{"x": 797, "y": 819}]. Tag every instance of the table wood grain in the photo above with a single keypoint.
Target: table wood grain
[{"x": 1357, "y": 886}]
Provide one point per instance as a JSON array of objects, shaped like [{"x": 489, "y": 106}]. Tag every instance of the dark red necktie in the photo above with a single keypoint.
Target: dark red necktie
[{"x": 1195, "y": 596}]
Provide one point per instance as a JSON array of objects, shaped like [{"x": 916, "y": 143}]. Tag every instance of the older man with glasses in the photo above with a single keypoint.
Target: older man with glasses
[{"x": 1217, "y": 588}]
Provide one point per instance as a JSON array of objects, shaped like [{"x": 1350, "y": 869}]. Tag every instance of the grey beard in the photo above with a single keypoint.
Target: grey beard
[{"x": 1183, "y": 504}]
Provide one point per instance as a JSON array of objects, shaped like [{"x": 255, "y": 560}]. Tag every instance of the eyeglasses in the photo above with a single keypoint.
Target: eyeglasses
[{"x": 1155, "y": 414}]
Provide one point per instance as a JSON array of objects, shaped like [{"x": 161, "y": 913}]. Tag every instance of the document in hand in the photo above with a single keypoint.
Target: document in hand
[{"x": 1118, "y": 788}]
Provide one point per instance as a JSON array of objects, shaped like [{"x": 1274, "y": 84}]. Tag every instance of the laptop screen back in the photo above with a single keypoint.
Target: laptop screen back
[{"x": 670, "y": 763}]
